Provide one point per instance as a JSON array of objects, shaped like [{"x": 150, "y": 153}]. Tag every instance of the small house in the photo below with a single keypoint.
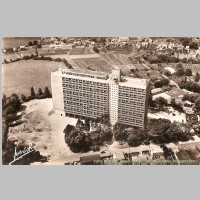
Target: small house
[
  {"x": 89, "y": 160},
  {"x": 118, "y": 155}
]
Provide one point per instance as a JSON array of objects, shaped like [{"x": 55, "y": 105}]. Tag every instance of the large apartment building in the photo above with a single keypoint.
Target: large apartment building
[{"x": 84, "y": 93}]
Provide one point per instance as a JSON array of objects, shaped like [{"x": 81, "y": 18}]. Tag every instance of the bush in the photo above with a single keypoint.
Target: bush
[
  {"x": 188, "y": 72},
  {"x": 194, "y": 45}
]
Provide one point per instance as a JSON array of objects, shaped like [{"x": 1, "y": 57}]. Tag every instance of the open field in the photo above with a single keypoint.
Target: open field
[
  {"x": 77, "y": 51},
  {"x": 97, "y": 64},
  {"x": 10, "y": 42},
  {"x": 116, "y": 59},
  {"x": 53, "y": 51},
  {"x": 19, "y": 77}
]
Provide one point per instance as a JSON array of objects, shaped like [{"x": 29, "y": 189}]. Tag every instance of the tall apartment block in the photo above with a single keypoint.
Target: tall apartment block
[{"x": 83, "y": 93}]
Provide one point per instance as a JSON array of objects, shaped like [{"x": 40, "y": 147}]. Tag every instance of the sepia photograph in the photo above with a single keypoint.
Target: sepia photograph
[{"x": 101, "y": 100}]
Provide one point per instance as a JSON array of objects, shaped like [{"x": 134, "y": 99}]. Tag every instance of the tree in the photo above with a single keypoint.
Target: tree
[
  {"x": 161, "y": 102},
  {"x": 197, "y": 104},
  {"x": 165, "y": 81},
  {"x": 23, "y": 97},
  {"x": 4, "y": 104},
  {"x": 188, "y": 72},
  {"x": 133, "y": 140},
  {"x": 176, "y": 106},
  {"x": 151, "y": 102},
  {"x": 173, "y": 102},
  {"x": 35, "y": 42},
  {"x": 185, "y": 41},
  {"x": 95, "y": 49},
  {"x": 32, "y": 92},
  {"x": 194, "y": 45},
  {"x": 197, "y": 77},
  {"x": 179, "y": 65},
  {"x": 167, "y": 73},
  {"x": 180, "y": 72},
  {"x": 158, "y": 84},
  {"x": 39, "y": 46},
  {"x": 47, "y": 92},
  {"x": 39, "y": 91},
  {"x": 106, "y": 135},
  {"x": 30, "y": 44},
  {"x": 14, "y": 101},
  {"x": 68, "y": 129}
]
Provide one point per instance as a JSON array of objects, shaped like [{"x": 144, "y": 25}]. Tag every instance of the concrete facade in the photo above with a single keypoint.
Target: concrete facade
[{"x": 91, "y": 94}]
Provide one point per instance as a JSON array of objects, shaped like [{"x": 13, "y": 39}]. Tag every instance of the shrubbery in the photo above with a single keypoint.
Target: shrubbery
[
  {"x": 189, "y": 85},
  {"x": 162, "y": 82}
]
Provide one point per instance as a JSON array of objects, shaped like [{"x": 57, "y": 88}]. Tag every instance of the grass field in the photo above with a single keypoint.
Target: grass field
[{"x": 19, "y": 77}]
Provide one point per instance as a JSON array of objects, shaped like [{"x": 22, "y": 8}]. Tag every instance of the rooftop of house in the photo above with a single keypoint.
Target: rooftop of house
[
  {"x": 172, "y": 70},
  {"x": 119, "y": 155},
  {"x": 90, "y": 158}
]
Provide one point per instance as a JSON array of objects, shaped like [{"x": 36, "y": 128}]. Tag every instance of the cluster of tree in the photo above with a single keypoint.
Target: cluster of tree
[
  {"x": 189, "y": 85},
  {"x": 161, "y": 82},
  {"x": 189, "y": 42},
  {"x": 193, "y": 98},
  {"x": 10, "y": 106},
  {"x": 163, "y": 131},
  {"x": 158, "y": 131},
  {"x": 190, "y": 97},
  {"x": 190, "y": 60},
  {"x": 181, "y": 71},
  {"x": 35, "y": 43},
  {"x": 79, "y": 139},
  {"x": 26, "y": 57},
  {"x": 161, "y": 58},
  {"x": 185, "y": 41},
  {"x": 194, "y": 45},
  {"x": 38, "y": 95},
  {"x": 42, "y": 57},
  {"x": 133, "y": 136}
]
